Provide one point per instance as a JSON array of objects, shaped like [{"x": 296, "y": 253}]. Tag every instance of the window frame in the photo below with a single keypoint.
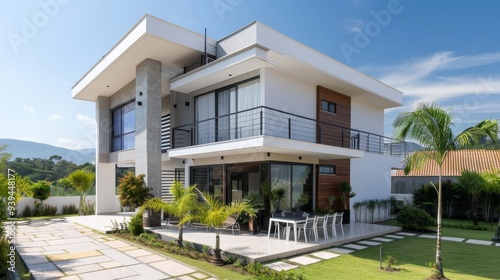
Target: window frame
[
  {"x": 331, "y": 107},
  {"x": 122, "y": 134},
  {"x": 330, "y": 166}
]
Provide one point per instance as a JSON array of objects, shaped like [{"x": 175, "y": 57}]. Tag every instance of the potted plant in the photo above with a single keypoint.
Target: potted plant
[
  {"x": 346, "y": 196},
  {"x": 256, "y": 201},
  {"x": 278, "y": 194},
  {"x": 133, "y": 193}
]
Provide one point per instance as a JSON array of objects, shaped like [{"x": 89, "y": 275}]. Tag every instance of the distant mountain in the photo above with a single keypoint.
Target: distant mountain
[{"x": 28, "y": 149}]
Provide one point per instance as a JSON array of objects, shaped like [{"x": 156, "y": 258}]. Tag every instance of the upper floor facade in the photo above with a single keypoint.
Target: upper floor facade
[{"x": 254, "y": 91}]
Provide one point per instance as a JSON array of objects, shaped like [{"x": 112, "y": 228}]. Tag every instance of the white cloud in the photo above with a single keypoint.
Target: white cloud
[
  {"x": 29, "y": 109},
  {"x": 353, "y": 25},
  {"x": 73, "y": 144},
  {"x": 86, "y": 120},
  {"x": 55, "y": 117}
]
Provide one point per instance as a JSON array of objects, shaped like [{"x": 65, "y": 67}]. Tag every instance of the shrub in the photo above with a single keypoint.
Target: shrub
[
  {"x": 4, "y": 258},
  {"x": 69, "y": 209},
  {"x": 414, "y": 219},
  {"x": 132, "y": 192},
  {"x": 40, "y": 191},
  {"x": 88, "y": 208},
  {"x": 48, "y": 210},
  {"x": 135, "y": 226},
  {"x": 27, "y": 211}
]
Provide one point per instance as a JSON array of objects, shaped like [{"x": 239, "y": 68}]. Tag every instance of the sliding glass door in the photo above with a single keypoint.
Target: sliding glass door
[{"x": 219, "y": 115}]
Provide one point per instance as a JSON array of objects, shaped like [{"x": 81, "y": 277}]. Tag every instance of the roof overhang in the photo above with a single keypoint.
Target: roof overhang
[
  {"x": 233, "y": 65},
  {"x": 263, "y": 144},
  {"x": 153, "y": 38}
]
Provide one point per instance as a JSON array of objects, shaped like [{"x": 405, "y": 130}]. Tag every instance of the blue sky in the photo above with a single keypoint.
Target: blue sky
[{"x": 437, "y": 51}]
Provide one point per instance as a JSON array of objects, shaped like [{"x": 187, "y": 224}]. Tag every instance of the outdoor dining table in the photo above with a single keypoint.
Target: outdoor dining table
[{"x": 289, "y": 220}]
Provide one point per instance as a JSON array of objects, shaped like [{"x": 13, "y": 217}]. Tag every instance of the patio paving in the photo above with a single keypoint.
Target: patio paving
[{"x": 66, "y": 250}]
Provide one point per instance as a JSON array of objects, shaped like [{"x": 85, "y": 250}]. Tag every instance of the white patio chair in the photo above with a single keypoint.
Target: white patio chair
[
  {"x": 279, "y": 227},
  {"x": 338, "y": 221},
  {"x": 322, "y": 220},
  {"x": 330, "y": 223},
  {"x": 310, "y": 226}
]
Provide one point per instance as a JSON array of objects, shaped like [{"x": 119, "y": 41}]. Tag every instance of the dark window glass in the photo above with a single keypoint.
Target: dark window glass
[
  {"x": 123, "y": 136},
  {"x": 328, "y": 106},
  {"x": 327, "y": 169}
]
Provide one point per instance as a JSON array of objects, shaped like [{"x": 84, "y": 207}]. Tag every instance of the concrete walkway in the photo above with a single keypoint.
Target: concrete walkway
[{"x": 62, "y": 249}]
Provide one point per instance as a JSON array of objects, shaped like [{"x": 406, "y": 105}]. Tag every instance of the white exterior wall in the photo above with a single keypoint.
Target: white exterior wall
[
  {"x": 123, "y": 95},
  {"x": 371, "y": 177},
  {"x": 366, "y": 117},
  {"x": 60, "y": 201},
  {"x": 288, "y": 94}
]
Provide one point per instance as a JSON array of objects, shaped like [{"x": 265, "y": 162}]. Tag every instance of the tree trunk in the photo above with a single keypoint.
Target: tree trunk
[
  {"x": 179, "y": 238},
  {"x": 439, "y": 259},
  {"x": 474, "y": 210}
]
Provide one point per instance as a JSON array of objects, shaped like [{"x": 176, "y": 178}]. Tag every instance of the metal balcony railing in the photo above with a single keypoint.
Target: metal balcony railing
[{"x": 271, "y": 122}]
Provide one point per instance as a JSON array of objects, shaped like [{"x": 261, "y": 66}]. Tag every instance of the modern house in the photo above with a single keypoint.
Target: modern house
[
  {"x": 480, "y": 160},
  {"x": 231, "y": 114}
]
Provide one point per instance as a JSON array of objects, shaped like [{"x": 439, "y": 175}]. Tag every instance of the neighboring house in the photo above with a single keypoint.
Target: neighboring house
[
  {"x": 229, "y": 114},
  {"x": 403, "y": 186}
]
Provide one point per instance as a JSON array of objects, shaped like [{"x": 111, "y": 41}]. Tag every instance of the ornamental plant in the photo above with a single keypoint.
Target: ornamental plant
[{"x": 132, "y": 190}]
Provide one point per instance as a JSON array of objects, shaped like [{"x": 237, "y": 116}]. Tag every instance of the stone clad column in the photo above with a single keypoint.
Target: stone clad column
[{"x": 148, "y": 123}]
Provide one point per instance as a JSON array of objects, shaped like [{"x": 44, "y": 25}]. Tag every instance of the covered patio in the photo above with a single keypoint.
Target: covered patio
[
  {"x": 260, "y": 248},
  {"x": 253, "y": 247}
]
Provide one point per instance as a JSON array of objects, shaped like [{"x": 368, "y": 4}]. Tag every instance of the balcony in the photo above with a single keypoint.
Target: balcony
[{"x": 264, "y": 121}]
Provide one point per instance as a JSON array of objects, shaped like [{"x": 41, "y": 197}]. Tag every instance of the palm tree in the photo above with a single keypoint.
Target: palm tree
[
  {"x": 432, "y": 126},
  {"x": 82, "y": 181},
  {"x": 214, "y": 212},
  {"x": 474, "y": 184},
  {"x": 184, "y": 204}
]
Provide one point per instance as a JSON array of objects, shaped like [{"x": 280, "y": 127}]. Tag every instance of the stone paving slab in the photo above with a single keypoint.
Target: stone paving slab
[
  {"x": 381, "y": 239},
  {"x": 478, "y": 242},
  {"x": 278, "y": 266},
  {"x": 128, "y": 248},
  {"x": 138, "y": 253},
  {"x": 70, "y": 256},
  {"x": 45, "y": 271},
  {"x": 34, "y": 258},
  {"x": 82, "y": 269},
  {"x": 147, "y": 272},
  {"x": 355, "y": 246},
  {"x": 406, "y": 233},
  {"x": 497, "y": 244},
  {"x": 120, "y": 257},
  {"x": 199, "y": 275},
  {"x": 83, "y": 261},
  {"x": 116, "y": 244},
  {"x": 110, "y": 264},
  {"x": 454, "y": 239},
  {"x": 304, "y": 260},
  {"x": 172, "y": 268},
  {"x": 325, "y": 255},
  {"x": 341, "y": 250},
  {"x": 151, "y": 258},
  {"x": 430, "y": 236},
  {"x": 394, "y": 236},
  {"x": 369, "y": 243},
  {"x": 109, "y": 274}
]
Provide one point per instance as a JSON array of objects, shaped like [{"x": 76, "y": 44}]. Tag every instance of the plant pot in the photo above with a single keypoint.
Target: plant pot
[
  {"x": 347, "y": 217},
  {"x": 151, "y": 219}
]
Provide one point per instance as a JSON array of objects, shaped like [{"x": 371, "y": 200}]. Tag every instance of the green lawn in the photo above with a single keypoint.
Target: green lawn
[
  {"x": 457, "y": 232},
  {"x": 460, "y": 261}
]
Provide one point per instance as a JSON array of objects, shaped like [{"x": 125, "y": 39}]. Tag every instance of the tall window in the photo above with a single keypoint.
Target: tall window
[
  {"x": 215, "y": 110},
  {"x": 123, "y": 136},
  {"x": 296, "y": 180}
]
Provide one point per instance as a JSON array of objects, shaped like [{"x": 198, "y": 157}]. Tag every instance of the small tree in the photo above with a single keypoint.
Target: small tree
[
  {"x": 82, "y": 181},
  {"x": 184, "y": 203},
  {"x": 347, "y": 194},
  {"x": 214, "y": 212},
  {"x": 40, "y": 191},
  {"x": 132, "y": 190},
  {"x": 474, "y": 184}
]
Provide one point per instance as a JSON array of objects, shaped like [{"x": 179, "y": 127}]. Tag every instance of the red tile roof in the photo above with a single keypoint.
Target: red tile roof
[{"x": 456, "y": 161}]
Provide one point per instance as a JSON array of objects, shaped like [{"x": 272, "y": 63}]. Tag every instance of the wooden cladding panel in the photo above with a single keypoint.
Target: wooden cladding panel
[
  {"x": 333, "y": 134},
  {"x": 330, "y": 184}
]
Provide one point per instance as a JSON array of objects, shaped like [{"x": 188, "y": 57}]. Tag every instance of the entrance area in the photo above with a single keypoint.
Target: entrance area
[{"x": 233, "y": 182}]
